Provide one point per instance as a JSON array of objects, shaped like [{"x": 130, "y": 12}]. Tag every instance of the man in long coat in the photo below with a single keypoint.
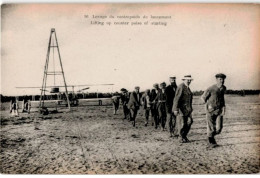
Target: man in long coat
[{"x": 182, "y": 108}]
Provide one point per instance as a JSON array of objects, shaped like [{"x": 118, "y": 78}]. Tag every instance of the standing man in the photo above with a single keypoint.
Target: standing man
[
  {"x": 182, "y": 108},
  {"x": 215, "y": 108},
  {"x": 14, "y": 107},
  {"x": 154, "y": 106},
  {"x": 115, "y": 100},
  {"x": 124, "y": 101},
  {"x": 134, "y": 103},
  {"x": 27, "y": 106},
  {"x": 146, "y": 100},
  {"x": 161, "y": 98},
  {"x": 170, "y": 93}
]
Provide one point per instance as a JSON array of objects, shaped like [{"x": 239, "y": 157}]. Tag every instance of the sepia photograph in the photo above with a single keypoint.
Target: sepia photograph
[{"x": 130, "y": 88}]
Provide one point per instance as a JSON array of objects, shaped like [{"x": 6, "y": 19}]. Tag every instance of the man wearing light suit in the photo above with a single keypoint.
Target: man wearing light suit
[{"x": 182, "y": 108}]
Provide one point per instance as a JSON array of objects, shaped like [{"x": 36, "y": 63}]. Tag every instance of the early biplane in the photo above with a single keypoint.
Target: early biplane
[{"x": 63, "y": 97}]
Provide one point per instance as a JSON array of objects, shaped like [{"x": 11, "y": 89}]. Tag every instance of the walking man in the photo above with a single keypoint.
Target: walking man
[
  {"x": 154, "y": 106},
  {"x": 215, "y": 108},
  {"x": 182, "y": 108},
  {"x": 146, "y": 100},
  {"x": 134, "y": 104},
  {"x": 161, "y": 98},
  {"x": 170, "y": 93},
  {"x": 115, "y": 101},
  {"x": 124, "y": 101}
]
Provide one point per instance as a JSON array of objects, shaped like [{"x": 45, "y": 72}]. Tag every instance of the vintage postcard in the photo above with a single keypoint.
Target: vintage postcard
[{"x": 131, "y": 88}]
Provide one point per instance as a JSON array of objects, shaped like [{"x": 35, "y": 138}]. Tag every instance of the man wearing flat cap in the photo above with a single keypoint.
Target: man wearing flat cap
[
  {"x": 182, "y": 108},
  {"x": 154, "y": 105},
  {"x": 124, "y": 101},
  {"x": 134, "y": 103},
  {"x": 161, "y": 99},
  {"x": 170, "y": 93},
  {"x": 215, "y": 108}
]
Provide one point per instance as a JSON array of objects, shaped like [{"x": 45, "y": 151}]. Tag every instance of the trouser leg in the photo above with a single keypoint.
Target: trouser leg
[
  {"x": 164, "y": 115},
  {"x": 169, "y": 123},
  {"x": 160, "y": 118},
  {"x": 125, "y": 109},
  {"x": 181, "y": 125},
  {"x": 147, "y": 113},
  {"x": 29, "y": 109},
  {"x": 219, "y": 124},
  {"x": 174, "y": 125},
  {"x": 114, "y": 107},
  {"x": 152, "y": 115},
  {"x": 211, "y": 125},
  {"x": 133, "y": 114},
  {"x": 155, "y": 118},
  {"x": 188, "y": 124},
  {"x": 117, "y": 106}
]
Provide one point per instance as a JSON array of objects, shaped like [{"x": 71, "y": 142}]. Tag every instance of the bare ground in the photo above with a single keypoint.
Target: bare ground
[{"x": 91, "y": 140}]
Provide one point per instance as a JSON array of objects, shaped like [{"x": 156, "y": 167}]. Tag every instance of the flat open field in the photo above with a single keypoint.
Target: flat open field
[{"x": 91, "y": 140}]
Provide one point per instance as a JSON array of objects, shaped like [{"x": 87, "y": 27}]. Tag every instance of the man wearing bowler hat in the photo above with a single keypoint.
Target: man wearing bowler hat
[
  {"x": 182, "y": 108},
  {"x": 215, "y": 108},
  {"x": 134, "y": 103},
  {"x": 170, "y": 93}
]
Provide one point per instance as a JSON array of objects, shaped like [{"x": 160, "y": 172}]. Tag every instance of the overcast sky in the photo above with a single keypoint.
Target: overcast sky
[{"x": 200, "y": 40}]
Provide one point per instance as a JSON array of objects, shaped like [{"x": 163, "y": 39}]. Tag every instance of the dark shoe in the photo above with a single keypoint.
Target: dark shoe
[
  {"x": 214, "y": 141},
  {"x": 146, "y": 124},
  {"x": 187, "y": 140},
  {"x": 211, "y": 142}
]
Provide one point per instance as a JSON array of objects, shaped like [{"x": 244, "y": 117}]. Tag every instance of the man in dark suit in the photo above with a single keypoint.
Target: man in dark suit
[
  {"x": 182, "y": 108},
  {"x": 154, "y": 105},
  {"x": 161, "y": 98},
  {"x": 124, "y": 101},
  {"x": 134, "y": 103},
  {"x": 170, "y": 93}
]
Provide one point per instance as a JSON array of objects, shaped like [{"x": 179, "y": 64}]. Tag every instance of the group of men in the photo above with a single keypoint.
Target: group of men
[
  {"x": 26, "y": 107},
  {"x": 171, "y": 107}
]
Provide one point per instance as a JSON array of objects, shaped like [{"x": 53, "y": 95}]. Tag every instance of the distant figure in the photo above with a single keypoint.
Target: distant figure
[
  {"x": 161, "y": 98},
  {"x": 115, "y": 101},
  {"x": 170, "y": 93},
  {"x": 27, "y": 106},
  {"x": 146, "y": 100},
  {"x": 154, "y": 105},
  {"x": 215, "y": 108},
  {"x": 182, "y": 108},
  {"x": 134, "y": 104},
  {"x": 124, "y": 101},
  {"x": 14, "y": 107}
]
